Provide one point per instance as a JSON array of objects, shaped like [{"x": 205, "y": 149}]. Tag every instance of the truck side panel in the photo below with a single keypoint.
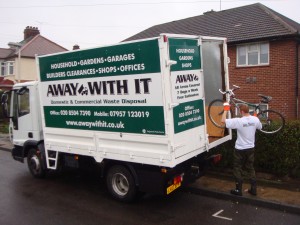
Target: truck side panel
[{"x": 138, "y": 102}]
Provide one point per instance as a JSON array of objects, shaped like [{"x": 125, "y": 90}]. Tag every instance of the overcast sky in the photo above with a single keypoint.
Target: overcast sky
[{"x": 91, "y": 23}]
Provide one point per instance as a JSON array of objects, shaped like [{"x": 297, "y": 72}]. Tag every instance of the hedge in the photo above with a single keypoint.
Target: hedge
[{"x": 278, "y": 154}]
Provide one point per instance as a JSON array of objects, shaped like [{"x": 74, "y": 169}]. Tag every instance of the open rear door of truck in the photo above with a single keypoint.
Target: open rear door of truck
[
  {"x": 198, "y": 70},
  {"x": 215, "y": 70}
]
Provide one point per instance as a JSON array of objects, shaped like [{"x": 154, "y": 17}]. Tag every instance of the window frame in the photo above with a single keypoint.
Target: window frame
[
  {"x": 2, "y": 68},
  {"x": 249, "y": 51},
  {"x": 7, "y": 68},
  {"x": 23, "y": 103}
]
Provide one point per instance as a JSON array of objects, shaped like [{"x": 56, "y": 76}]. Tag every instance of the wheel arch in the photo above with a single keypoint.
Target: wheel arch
[{"x": 39, "y": 146}]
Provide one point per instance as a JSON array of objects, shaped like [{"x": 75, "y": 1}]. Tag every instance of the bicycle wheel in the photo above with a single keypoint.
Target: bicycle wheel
[
  {"x": 215, "y": 112},
  {"x": 271, "y": 120}
]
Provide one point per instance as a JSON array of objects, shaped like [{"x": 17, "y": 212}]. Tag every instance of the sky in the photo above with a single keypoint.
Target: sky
[{"x": 93, "y": 23}]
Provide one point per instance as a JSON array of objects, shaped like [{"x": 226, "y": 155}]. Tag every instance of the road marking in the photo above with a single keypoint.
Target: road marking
[{"x": 221, "y": 217}]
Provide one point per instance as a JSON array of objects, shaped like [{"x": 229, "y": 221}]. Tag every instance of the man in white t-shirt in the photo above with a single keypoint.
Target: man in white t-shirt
[{"x": 243, "y": 160}]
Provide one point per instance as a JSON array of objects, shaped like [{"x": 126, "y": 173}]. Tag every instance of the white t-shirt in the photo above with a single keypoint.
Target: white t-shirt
[{"x": 246, "y": 128}]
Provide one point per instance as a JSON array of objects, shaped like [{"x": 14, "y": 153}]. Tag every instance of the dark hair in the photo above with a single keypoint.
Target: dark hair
[{"x": 244, "y": 108}]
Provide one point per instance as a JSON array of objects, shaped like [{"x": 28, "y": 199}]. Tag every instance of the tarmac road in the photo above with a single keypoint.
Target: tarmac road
[{"x": 74, "y": 198}]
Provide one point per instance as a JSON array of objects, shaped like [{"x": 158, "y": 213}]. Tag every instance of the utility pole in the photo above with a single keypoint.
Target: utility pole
[{"x": 220, "y": 5}]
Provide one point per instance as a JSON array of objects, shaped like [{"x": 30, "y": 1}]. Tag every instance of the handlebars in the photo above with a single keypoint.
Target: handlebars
[
  {"x": 265, "y": 98},
  {"x": 230, "y": 91}
]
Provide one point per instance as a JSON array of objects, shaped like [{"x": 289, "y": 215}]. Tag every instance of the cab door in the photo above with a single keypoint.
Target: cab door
[{"x": 21, "y": 124}]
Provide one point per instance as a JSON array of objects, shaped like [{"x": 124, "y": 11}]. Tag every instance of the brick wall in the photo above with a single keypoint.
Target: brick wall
[{"x": 278, "y": 79}]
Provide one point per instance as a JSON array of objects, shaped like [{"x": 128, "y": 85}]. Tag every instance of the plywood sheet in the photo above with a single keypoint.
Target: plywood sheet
[{"x": 212, "y": 130}]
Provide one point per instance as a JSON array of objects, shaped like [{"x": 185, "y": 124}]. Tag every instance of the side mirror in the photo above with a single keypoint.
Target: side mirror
[
  {"x": 4, "y": 97},
  {"x": 22, "y": 91},
  {"x": 4, "y": 100}
]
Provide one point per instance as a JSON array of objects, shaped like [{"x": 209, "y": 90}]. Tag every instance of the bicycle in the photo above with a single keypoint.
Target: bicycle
[{"x": 272, "y": 121}]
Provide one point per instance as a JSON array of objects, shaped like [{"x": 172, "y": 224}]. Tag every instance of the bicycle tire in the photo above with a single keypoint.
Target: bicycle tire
[
  {"x": 215, "y": 111},
  {"x": 272, "y": 121}
]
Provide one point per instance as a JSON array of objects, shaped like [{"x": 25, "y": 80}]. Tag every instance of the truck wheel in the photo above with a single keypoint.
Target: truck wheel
[
  {"x": 120, "y": 183},
  {"x": 34, "y": 163}
]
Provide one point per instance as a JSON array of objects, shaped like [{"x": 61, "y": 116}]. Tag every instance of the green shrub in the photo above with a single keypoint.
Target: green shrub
[
  {"x": 3, "y": 121},
  {"x": 4, "y": 127},
  {"x": 1, "y": 114},
  {"x": 278, "y": 154}
]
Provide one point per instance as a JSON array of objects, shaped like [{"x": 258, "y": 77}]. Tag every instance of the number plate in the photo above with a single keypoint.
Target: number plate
[{"x": 173, "y": 187}]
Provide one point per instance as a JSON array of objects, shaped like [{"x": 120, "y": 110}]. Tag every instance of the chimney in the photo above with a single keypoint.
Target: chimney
[
  {"x": 75, "y": 47},
  {"x": 209, "y": 12},
  {"x": 30, "y": 32}
]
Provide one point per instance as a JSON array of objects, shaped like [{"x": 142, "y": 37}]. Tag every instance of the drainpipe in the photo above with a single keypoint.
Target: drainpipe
[
  {"x": 19, "y": 65},
  {"x": 297, "y": 80}
]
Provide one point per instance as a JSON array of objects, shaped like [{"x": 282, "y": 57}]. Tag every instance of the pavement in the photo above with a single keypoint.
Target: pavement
[{"x": 272, "y": 192}]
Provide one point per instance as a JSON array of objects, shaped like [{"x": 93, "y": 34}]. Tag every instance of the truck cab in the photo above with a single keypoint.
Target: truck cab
[{"x": 25, "y": 127}]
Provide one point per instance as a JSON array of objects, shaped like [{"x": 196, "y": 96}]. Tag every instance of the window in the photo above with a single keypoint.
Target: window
[
  {"x": 253, "y": 54},
  {"x": 7, "y": 68},
  {"x": 10, "y": 68},
  {"x": 2, "y": 72},
  {"x": 24, "y": 104}
]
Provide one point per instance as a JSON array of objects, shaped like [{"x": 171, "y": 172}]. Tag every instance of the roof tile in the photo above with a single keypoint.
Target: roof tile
[
  {"x": 5, "y": 52},
  {"x": 250, "y": 22},
  {"x": 40, "y": 45}
]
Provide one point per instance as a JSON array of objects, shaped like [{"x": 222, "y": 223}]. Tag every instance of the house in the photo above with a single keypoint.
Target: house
[
  {"x": 263, "y": 47},
  {"x": 18, "y": 61}
]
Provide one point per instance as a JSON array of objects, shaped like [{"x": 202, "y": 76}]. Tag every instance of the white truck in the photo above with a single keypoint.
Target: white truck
[{"x": 135, "y": 109}]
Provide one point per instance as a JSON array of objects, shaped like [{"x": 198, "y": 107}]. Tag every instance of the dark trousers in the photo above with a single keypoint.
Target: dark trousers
[{"x": 243, "y": 161}]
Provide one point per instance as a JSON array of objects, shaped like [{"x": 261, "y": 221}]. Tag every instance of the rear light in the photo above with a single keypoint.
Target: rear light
[
  {"x": 216, "y": 158},
  {"x": 164, "y": 170},
  {"x": 178, "y": 179},
  {"x": 165, "y": 38}
]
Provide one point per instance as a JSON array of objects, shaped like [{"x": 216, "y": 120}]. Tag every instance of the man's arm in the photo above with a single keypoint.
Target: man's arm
[
  {"x": 226, "y": 109},
  {"x": 224, "y": 116}
]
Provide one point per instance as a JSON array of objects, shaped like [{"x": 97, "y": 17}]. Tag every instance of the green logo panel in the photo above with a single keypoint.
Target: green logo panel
[
  {"x": 188, "y": 115},
  {"x": 123, "y": 119},
  {"x": 186, "y": 52},
  {"x": 130, "y": 58}
]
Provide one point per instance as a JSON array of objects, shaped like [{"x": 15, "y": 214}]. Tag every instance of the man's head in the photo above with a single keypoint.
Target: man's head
[{"x": 244, "y": 109}]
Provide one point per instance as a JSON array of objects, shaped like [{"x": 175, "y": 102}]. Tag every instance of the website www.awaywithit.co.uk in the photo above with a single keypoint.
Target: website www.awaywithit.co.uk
[{"x": 98, "y": 123}]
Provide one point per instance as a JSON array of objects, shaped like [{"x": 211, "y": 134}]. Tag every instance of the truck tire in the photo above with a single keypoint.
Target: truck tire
[
  {"x": 120, "y": 184},
  {"x": 34, "y": 163}
]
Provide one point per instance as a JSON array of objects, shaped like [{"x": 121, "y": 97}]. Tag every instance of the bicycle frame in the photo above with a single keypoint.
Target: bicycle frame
[
  {"x": 236, "y": 102},
  {"x": 272, "y": 121}
]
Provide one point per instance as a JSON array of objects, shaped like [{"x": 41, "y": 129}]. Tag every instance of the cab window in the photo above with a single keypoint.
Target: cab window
[{"x": 23, "y": 104}]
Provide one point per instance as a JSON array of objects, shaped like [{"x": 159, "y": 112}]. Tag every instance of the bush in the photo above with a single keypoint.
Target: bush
[
  {"x": 3, "y": 121},
  {"x": 278, "y": 154},
  {"x": 1, "y": 113},
  {"x": 4, "y": 127}
]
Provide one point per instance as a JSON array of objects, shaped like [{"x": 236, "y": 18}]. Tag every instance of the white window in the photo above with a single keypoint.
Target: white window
[
  {"x": 3, "y": 69},
  {"x": 7, "y": 68},
  {"x": 253, "y": 54}
]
